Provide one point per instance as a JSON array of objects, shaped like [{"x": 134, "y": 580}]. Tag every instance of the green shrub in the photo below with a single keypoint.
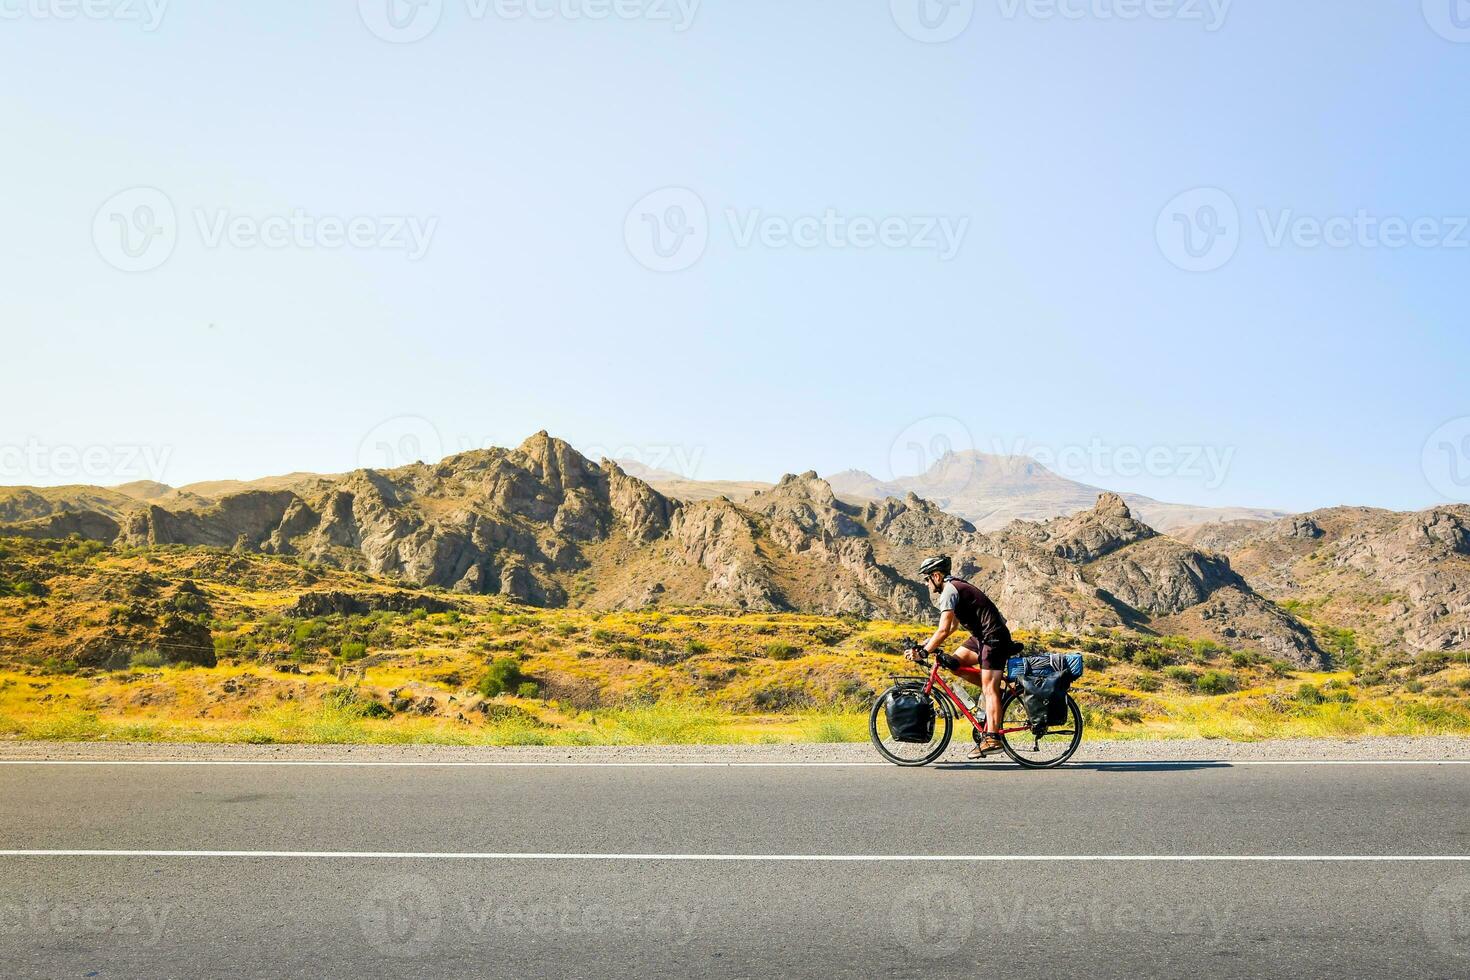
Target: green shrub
[
  {"x": 502, "y": 675},
  {"x": 778, "y": 650},
  {"x": 1308, "y": 694},
  {"x": 1152, "y": 659},
  {"x": 1215, "y": 682},
  {"x": 1147, "y": 682},
  {"x": 146, "y": 658},
  {"x": 696, "y": 647},
  {"x": 1181, "y": 674},
  {"x": 353, "y": 651},
  {"x": 528, "y": 689},
  {"x": 1241, "y": 660}
]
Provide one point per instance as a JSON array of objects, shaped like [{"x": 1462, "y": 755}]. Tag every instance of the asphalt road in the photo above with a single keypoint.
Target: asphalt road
[{"x": 597, "y": 871}]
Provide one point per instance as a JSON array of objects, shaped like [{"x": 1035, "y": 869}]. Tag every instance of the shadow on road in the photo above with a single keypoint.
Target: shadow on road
[{"x": 1174, "y": 766}]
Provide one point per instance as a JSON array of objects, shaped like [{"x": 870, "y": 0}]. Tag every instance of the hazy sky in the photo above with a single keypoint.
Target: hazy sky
[{"x": 743, "y": 237}]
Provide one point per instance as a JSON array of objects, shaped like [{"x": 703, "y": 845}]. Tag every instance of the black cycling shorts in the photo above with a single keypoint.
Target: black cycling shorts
[{"x": 990, "y": 657}]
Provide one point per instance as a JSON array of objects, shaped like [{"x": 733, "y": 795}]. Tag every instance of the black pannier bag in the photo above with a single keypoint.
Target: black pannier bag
[{"x": 910, "y": 716}]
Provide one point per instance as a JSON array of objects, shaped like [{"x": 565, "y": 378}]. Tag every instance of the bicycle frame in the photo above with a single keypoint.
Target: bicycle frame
[{"x": 973, "y": 675}]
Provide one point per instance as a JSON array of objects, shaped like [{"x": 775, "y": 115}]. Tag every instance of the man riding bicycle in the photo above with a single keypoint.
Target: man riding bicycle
[{"x": 989, "y": 644}]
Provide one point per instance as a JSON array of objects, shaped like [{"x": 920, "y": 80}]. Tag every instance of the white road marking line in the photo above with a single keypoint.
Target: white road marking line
[
  {"x": 347, "y": 763},
  {"x": 853, "y": 858}
]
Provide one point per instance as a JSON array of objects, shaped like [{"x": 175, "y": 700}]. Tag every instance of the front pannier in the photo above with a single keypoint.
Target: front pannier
[{"x": 910, "y": 716}]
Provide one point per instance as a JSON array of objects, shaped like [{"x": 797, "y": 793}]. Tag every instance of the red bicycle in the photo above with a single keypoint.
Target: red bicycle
[{"x": 1029, "y": 742}]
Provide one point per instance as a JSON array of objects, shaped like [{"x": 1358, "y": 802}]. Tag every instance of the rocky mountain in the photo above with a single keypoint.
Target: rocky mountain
[
  {"x": 544, "y": 525},
  {"x": 990, "y": 491},
  {"x": 1400, "y": 581}
]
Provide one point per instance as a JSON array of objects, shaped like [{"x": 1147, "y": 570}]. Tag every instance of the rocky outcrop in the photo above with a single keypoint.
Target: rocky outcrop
[
  {"x": 84, "y": 524},
  {"x": 313, "y": 604},
  {"x": 1400, "y": 581}
]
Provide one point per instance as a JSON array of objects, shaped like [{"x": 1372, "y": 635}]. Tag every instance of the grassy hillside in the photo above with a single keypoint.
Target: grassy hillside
[{"x": 200, "y": 644}]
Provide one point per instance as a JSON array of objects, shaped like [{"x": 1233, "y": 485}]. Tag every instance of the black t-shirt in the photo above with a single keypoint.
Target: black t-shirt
[{"x": 976, "y": 613}]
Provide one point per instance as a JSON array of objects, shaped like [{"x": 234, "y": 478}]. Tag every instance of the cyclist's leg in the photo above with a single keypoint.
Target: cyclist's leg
[
  {"x": 990, "y": 683},
  {"x": 992, "y": 674}
]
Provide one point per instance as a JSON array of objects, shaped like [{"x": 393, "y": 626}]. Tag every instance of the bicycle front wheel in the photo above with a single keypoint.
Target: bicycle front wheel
[
  {"x": 1044, "y": 751},
  {"x": 910, "y": 753}
]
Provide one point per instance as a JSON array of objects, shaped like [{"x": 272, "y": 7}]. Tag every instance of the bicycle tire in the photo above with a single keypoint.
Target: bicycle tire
[
  {"x": 944, "y": 718},
  {"x": 1073, "y": 710}
]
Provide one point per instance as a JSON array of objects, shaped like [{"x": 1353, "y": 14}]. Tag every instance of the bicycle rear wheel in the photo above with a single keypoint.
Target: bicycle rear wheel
[
  {"x": 910, "y": 753},
  {"x": 1039, "y": 752}
]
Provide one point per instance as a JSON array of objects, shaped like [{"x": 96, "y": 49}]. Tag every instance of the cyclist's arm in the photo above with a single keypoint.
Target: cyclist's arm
[{"x": 947, "y": 625}]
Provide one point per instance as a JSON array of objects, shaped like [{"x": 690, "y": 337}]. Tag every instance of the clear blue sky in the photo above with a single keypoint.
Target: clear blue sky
[{"x": 1060, "y": 321}]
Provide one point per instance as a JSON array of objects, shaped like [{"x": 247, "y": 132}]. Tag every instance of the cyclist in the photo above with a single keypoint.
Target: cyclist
[{"x": 989, "y": 644}]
